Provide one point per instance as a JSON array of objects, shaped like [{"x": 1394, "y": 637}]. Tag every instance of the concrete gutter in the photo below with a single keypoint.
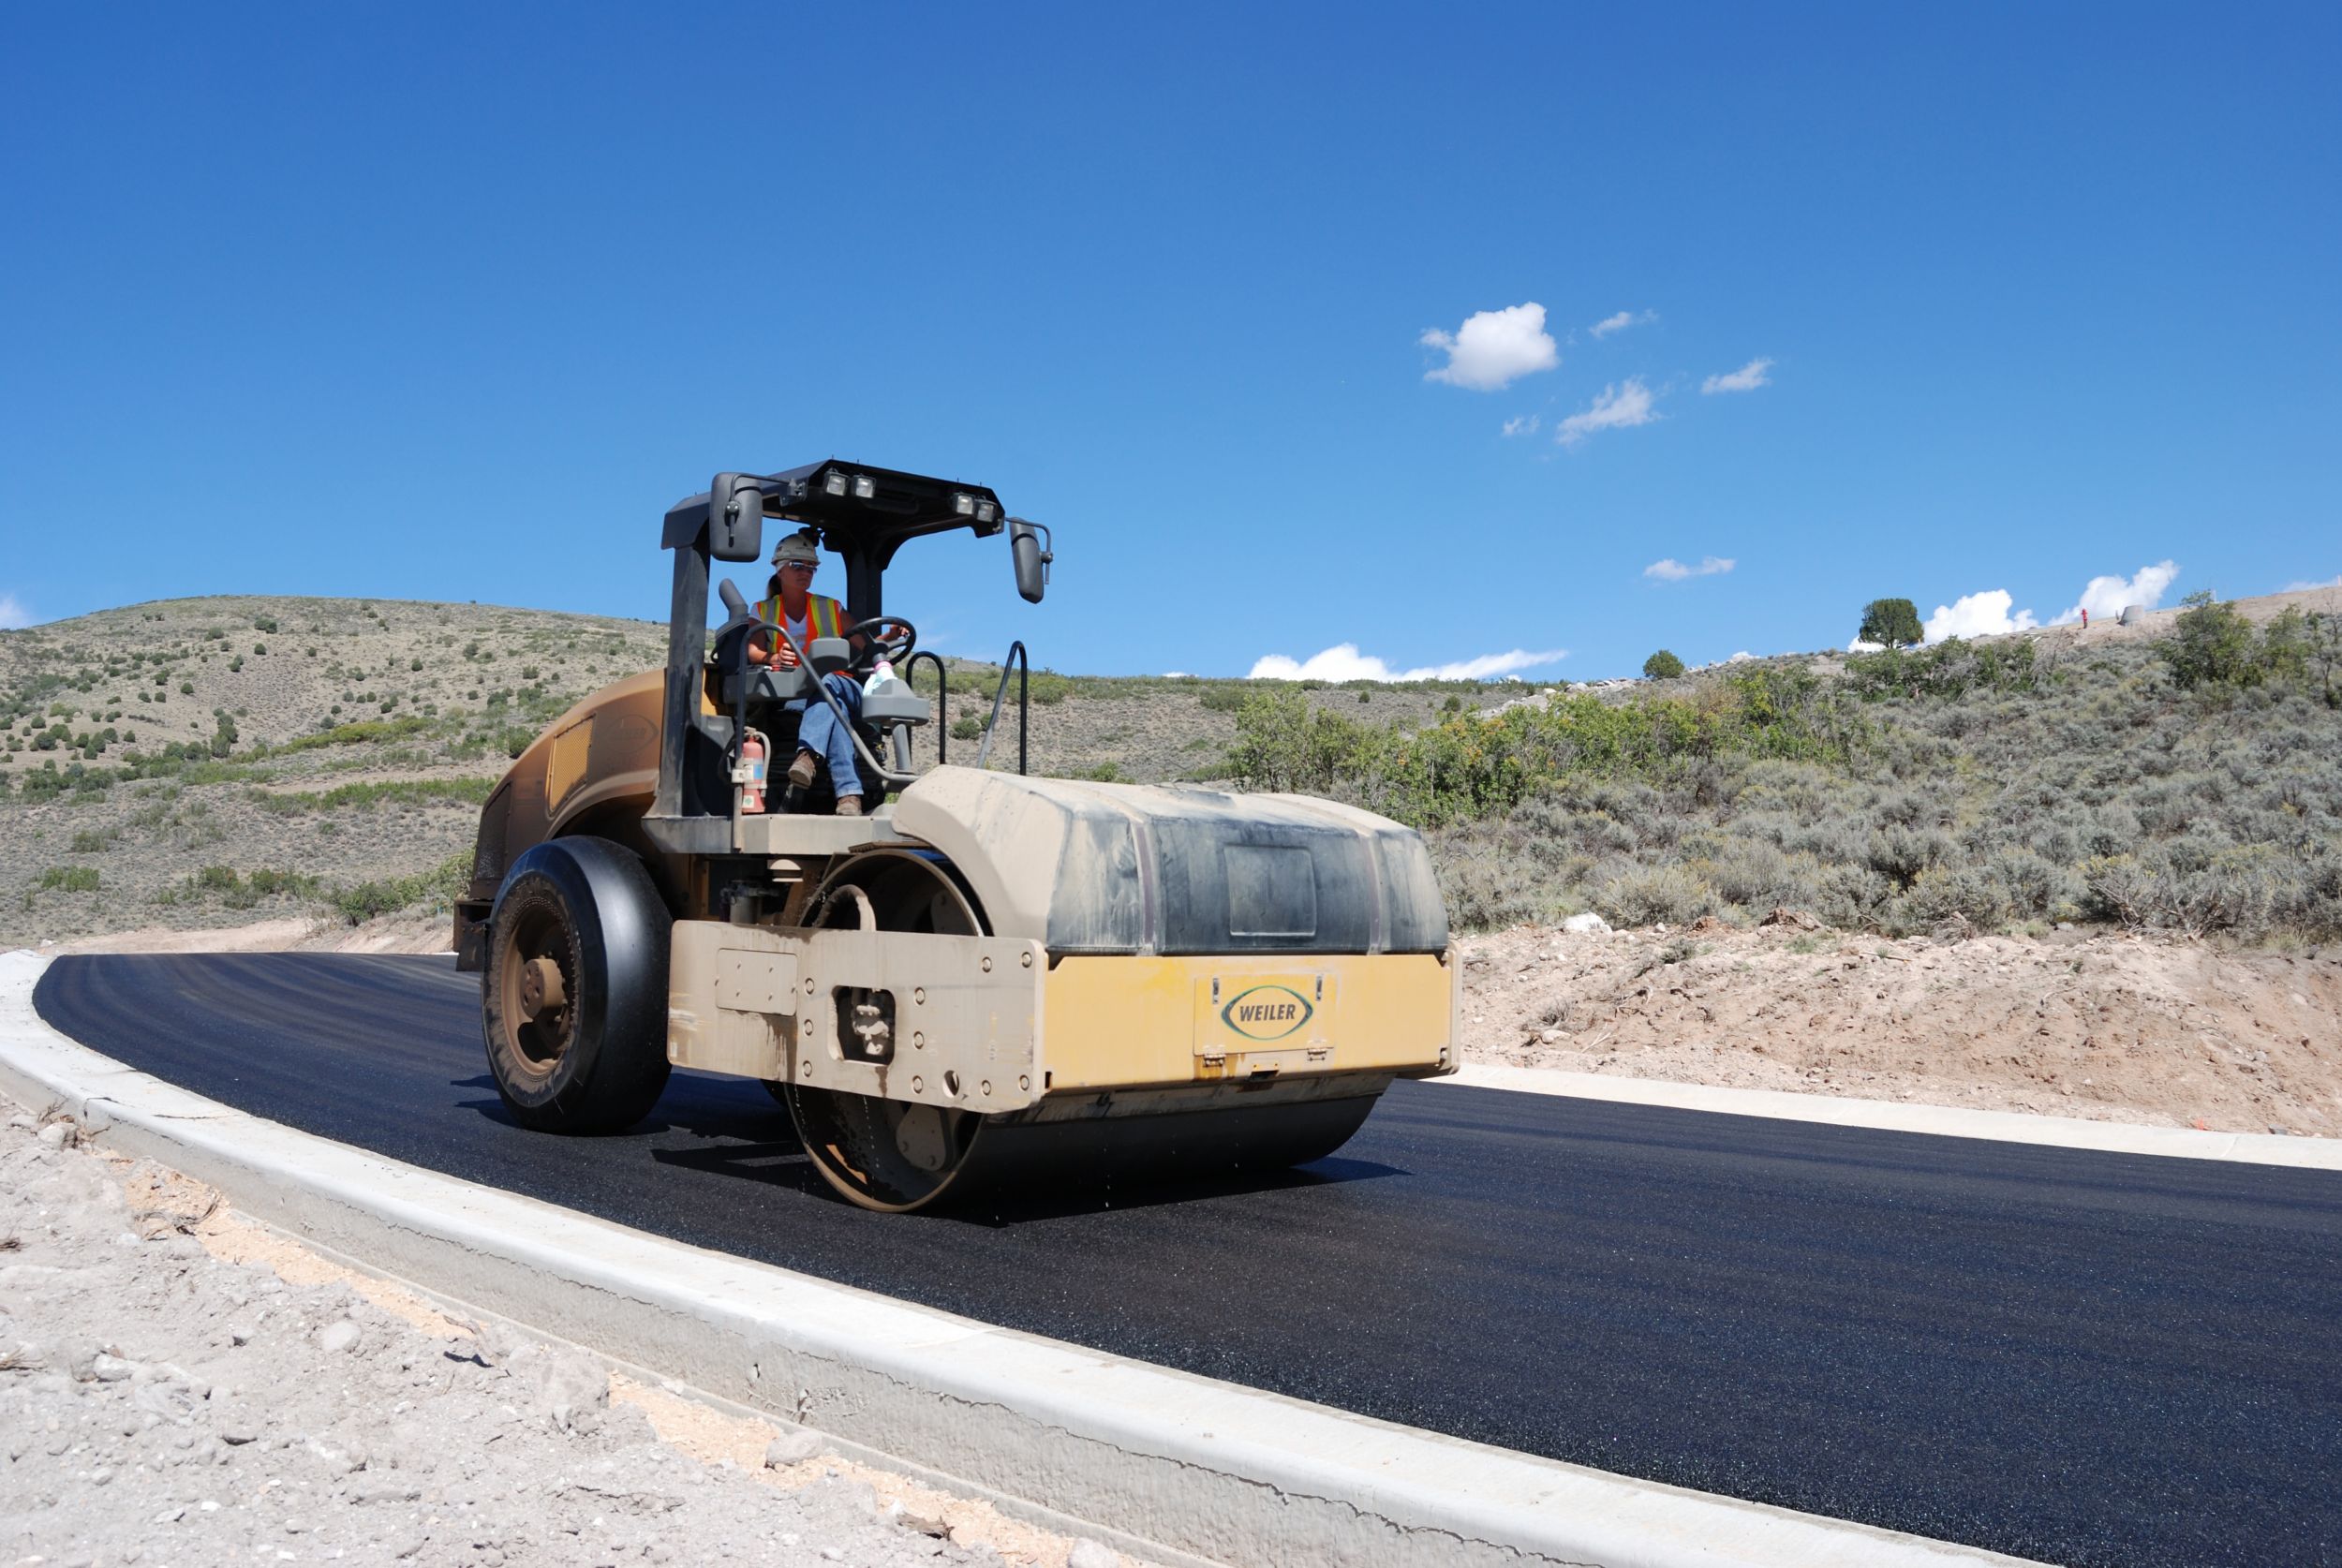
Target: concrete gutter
[
  {"x": 1891, "y": 1116},
  {"x": 1207, "y": 1469}
]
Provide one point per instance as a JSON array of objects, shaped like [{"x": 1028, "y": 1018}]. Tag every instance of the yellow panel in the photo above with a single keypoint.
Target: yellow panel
[
  {"x": 565, "y": 763},
  {"x": 1123, "y": 1022}
]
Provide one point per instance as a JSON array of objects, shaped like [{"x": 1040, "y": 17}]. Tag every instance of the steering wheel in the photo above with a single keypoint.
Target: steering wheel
[{"x": 887, "y": 637}]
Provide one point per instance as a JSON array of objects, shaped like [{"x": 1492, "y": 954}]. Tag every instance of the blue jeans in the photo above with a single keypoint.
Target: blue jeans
[{"x": 819, "y": 732}]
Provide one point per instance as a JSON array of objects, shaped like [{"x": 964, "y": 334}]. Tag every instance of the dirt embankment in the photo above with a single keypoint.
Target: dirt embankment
[{"x": 2167, "y": 1033}]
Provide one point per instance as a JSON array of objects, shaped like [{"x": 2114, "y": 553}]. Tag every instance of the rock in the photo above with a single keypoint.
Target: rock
[
  {"x": 1583, "y": 925},
  {"x": 924, "y": 1524},
  {"x": 338, "y": 1336},
  {"x": 792, "y": 1448},
  {"x": 1707, "y": 922},
  {"x": 56, "y": 1135},
  {"x": 111, "y": 1368},
  {"x": 1800, "y": 919},
  {"x": 1092, "y": 1554}
]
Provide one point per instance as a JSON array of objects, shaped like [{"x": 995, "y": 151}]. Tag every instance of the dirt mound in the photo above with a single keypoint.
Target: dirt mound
[{"x": 2163, "y": 1033}]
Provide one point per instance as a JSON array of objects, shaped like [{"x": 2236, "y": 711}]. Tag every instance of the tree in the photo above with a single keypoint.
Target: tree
[
  {"x": 2212, "y": 644},
  {"x": 1662, "y": 666},
  {"x": 1892, "y": 623}
]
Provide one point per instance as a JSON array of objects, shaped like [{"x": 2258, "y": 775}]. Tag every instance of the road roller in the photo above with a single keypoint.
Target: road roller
[{"x": 983, "y": 977}]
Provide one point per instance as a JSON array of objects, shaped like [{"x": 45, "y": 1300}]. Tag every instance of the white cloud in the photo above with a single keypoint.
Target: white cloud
[
  {"x": 1744, "y": 657},
  {"x": 1623, "y": 320},
  {"x": 1857, "y": 645},
  {"x": 1619, "y": 407},
  {"x": 12, "y": 614},
  {"x": 1343, "y": 662},
  {"x": 2311, "y": 587},
  {"x": 1984, "y": 615},
  {"x": 1525, "y": 425},
  {"x": 2105, "y": 597},
  {"x": 1747, "y": 378},
  {"x": 1673, "y": 570},
  {"x": 1493, "y": 348}
]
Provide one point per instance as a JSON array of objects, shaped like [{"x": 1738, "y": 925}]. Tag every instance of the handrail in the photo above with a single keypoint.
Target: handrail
[
  {"x": 1024, "y": 707},
  {"x": 942, "y": 700}
]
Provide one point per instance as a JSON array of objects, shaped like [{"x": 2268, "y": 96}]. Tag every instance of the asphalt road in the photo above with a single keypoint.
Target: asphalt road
[{"x": 2079, "y": 1358}]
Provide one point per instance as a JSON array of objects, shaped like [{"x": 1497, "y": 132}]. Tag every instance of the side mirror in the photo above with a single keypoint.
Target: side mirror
[
  {"x": 1030, "y": 546},
  {"x": 735, "y": 519}
]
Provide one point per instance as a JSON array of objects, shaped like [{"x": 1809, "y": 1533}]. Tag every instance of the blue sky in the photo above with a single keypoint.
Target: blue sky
[{"x": 451, "y": 302}]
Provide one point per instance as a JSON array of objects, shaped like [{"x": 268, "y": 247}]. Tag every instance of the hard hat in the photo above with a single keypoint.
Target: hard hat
[{"x": 799, "y": 546}]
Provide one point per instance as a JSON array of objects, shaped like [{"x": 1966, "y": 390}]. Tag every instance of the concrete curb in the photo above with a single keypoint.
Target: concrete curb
[
  {"x": 1206, "y": 1469},
  {"x": 1891, "y": 1115}
]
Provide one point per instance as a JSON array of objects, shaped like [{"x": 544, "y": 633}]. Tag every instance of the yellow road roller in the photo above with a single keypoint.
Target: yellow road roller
[{"x": 981, "y": 976}]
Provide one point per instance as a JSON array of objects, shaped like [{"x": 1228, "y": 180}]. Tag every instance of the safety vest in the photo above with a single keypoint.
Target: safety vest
[{"x": 824, "y": 617}]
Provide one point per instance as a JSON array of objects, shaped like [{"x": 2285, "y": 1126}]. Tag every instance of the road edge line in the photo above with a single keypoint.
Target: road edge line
[
  {"x": 1894, "y": 1116},
  {"x": 1207, "y": 1469}
]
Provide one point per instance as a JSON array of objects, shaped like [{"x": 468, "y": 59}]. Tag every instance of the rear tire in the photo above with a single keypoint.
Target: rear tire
[{"x": 573, "y": 995}]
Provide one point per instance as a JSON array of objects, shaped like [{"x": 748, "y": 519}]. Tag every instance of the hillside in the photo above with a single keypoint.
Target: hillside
[
  {"x": 202, "y": 762},
  {"x": 215, "y": 761}
]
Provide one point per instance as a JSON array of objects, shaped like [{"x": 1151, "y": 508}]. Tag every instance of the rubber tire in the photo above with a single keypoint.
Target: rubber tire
[{"x": 615, "y": 1066}]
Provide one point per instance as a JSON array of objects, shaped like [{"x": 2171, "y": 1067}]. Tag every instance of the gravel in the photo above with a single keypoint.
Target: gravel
[{"x": 163, "y": 1404}]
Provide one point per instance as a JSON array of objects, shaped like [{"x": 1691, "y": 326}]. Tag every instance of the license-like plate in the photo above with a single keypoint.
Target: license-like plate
[{"x": 1252, "y": 1014}]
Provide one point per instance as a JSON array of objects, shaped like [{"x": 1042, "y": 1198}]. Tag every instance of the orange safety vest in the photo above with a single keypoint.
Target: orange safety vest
[{"x": 823, "y": 617}]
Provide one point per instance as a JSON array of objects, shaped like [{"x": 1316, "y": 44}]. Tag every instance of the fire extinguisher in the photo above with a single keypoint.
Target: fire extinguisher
[{"x": 750, "y": 775}]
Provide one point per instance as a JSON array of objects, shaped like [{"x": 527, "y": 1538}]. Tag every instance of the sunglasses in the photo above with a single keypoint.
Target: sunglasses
[{"x": 798, "y": 566}]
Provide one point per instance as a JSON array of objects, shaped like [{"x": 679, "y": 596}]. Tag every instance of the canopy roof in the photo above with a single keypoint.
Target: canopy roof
[{"x": 859, "y": 510}]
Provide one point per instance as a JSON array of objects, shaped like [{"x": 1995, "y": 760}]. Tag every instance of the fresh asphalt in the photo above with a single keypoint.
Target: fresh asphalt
[{"x": 2079, "y": 1357}]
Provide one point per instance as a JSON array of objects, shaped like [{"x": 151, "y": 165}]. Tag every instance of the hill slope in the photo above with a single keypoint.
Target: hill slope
[{"x": 218, "y": 761}]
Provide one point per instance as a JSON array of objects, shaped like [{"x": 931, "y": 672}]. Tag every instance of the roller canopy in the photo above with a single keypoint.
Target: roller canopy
[{"x": 1130, "y": 868}]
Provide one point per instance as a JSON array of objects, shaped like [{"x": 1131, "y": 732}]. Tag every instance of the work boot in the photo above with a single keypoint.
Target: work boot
[
  {"x": 849, "y": 805},
  {"x": 798, "y": 781}
]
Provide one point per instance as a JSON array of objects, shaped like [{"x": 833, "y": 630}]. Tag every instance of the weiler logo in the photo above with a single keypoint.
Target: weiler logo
[{"x": 1266, "y": 1012}]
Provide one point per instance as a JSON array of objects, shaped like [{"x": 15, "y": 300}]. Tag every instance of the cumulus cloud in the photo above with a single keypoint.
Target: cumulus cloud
[
  {"x": 1747, "y": 378},
  {"x": 12, "y": 614},
  {"x": 1619, "y": 407},
  {"x": 2311, "y": 587},
  {"x": 1525, "y": 425},
  {"x": 1672, "y": 571},
  {"x": 1857, "y": 645},
  {"x": 1744, "y": 657},
  {"x": 1623, "y": 320},
  {"x": 1343, "y": 662},
  {"x": 1984, "y": 615},
  {"x": 2105, "y": 597},
  {"x": 1493, "y": 348}
]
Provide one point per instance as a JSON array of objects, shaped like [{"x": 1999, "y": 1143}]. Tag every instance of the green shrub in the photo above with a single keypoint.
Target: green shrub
[
  {"x": 1224, "y": 698},
  {"x": 437, "y": 889},
  {"x": 2212, "y": 644},
  {"x": 1662, "y": 666},
  {"x": 68, "y": 879},
  {"x": 967, "y": 727}
]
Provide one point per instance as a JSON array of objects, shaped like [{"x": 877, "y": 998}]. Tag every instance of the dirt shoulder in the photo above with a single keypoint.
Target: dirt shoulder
[
  {"x": 2167, "y": 1034},
  {"x": 180, "y": 1384}
]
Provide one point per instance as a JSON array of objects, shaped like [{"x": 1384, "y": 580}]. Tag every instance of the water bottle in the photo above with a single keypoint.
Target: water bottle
[{"x": 882, "y": 681}]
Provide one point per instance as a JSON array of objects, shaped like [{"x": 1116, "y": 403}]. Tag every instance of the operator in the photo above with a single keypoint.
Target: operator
[{"x": 808, "y": 614}]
